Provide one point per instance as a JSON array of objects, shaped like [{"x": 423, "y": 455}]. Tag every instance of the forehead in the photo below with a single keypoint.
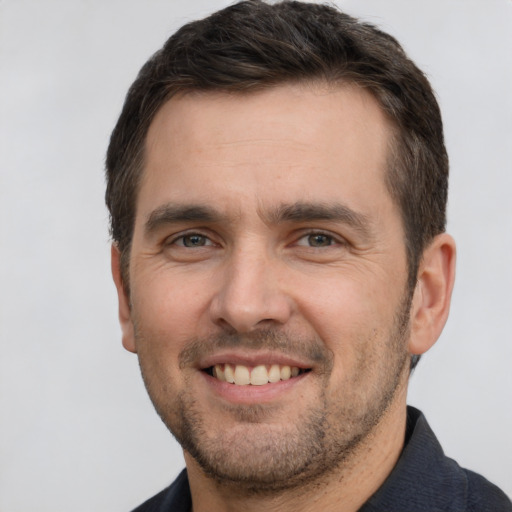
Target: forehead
[{"x": 290, "y": 143}]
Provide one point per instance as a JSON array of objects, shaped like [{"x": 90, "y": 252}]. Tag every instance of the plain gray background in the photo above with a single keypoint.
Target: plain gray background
[{"x": 77, "y": 432}]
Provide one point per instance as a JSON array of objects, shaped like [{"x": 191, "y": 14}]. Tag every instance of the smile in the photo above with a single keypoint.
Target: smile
[{"x": 241, "y": 375}]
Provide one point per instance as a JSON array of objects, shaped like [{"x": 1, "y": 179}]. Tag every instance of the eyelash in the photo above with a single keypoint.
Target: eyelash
[
  {"x": 183, "y": 237},
  {"x": 330, "y": 239}
]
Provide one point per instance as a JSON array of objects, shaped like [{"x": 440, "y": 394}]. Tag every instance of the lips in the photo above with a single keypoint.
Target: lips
[{"x": 259, "y": 375}]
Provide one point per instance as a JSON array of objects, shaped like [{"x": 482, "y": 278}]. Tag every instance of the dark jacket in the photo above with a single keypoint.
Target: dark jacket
[{"x": 423, "y": 480}]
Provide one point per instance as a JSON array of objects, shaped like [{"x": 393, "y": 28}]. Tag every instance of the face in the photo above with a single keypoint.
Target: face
[{"x": 267, "y": 280}]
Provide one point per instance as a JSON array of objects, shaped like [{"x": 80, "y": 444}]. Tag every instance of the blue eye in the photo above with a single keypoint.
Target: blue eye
[
  {"x": 319, "y": 240},
  {"x": 316, "y": 240},
  {"x": 193, "y": 240}
]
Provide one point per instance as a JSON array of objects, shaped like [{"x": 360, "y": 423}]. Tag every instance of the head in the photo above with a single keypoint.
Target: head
[
  {"x": 276, "y": 182},
  {"x": 253, "y": 45}
]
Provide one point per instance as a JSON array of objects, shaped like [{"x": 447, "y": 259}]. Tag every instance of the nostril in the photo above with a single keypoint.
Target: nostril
[{"x": 226, "y": 327}]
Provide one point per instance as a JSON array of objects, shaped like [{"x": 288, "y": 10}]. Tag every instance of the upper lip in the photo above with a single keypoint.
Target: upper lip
[{"x": 252, "y": 359}]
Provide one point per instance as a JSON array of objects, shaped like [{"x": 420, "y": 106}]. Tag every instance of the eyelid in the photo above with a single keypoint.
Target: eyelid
[
  {"x": 336, "y": 239},
  {"x": 205, "y": 233},
  {"x": 172, "y": 239}
]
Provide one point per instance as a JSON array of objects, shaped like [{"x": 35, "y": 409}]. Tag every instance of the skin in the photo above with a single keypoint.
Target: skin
[{"x": 264, "y": 233}]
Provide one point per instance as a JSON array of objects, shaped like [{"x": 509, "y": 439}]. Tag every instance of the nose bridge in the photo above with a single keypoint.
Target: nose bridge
[{"x": 250, "y": 295}]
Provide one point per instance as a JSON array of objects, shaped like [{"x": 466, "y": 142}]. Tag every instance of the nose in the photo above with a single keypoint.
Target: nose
[{"x": 250, "y": 295}]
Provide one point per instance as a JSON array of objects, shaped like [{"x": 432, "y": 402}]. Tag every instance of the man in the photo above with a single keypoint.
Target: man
[{"x": 277, "y": 185}]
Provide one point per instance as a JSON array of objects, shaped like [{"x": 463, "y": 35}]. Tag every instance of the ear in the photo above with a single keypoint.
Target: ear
[
  {"x": 125, "y": 318},
  {"x": 432, "y": 295}
]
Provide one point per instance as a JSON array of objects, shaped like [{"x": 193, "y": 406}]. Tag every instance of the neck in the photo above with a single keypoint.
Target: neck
[{"x": 344, "y": 490}]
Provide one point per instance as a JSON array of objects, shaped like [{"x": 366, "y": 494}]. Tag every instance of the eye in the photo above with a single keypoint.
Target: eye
[
  {"x": 192, "y": 240},
  {"x": 316, "y": 240}
]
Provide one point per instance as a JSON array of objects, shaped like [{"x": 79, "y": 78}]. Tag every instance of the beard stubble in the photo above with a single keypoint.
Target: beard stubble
[{"x": 259, "y": 456}]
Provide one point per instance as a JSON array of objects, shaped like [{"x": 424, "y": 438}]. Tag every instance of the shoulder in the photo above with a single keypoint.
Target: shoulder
[
  {"x": 483, "y": 496},
  {"x": 154, "y": 504},
  {"x": 176, "y": 497},
  {"x": 425, "y": 479}
]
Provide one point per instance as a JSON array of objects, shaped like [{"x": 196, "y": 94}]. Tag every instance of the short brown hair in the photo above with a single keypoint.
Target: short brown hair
[{"x": 252, "y": 45}]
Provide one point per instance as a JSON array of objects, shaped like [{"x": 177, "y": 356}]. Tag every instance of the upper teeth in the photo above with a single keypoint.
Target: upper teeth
[{"x": 257, "y": 375}]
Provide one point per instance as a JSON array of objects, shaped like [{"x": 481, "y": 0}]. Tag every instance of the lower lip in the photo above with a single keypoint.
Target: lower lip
[{"x": 250, "y": 394}]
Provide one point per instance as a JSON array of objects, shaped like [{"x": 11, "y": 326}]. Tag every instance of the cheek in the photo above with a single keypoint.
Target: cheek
[
  {"x": 346, "y": 305},
  {"x": 170, "y": 308},
  {"x": 162, "y": 330},
  {"x": 353, "y": 319}
]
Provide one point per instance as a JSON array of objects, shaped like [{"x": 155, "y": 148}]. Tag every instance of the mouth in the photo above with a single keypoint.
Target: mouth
[{"x": 241, "y": 375}]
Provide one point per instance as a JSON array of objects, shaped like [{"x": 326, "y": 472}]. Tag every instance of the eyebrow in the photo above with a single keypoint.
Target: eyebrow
[
  {"x": 299, "y": 212},
  {"x": 172, "y": 213},
  {"x": 305, "y": 211}
]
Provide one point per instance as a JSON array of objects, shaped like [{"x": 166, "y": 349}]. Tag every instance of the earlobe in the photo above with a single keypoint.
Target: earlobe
[
  {"x": 124, "y": 302},
  {"x": 432, "y": 295}
]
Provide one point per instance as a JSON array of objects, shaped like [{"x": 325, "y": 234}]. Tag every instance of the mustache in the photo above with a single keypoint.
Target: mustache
[{"x": 308, "y": 348}]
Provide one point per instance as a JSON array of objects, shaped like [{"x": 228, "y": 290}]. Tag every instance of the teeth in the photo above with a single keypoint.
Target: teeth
[
  {"x": 257, "y": 376},
  {"x": 274, "y": 374},
  {"x": 242, "y": 375},
  {"x": 218, "y": 372},
  {"x": 229, "y": 375}
]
